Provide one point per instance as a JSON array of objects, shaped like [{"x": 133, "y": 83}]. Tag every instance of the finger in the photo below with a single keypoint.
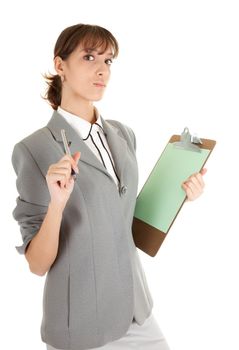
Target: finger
[
  {"x": 60, "y": 167},
  {"x": 203, "y": 171},
  {"x": 60, "y": 178},
  {"x": 72, "y": 163},
  {"x": 198, "y": 183},
  {"x": 69, "y": 163},
  {"x": 76, "y": 158},
  {"x": 67, "y": 157},
  {"x": 69, "y": 183},
  {"x": 61, "y": 170},
  {"x": 193, "y": 190},
  {"x": 188, "y": 191},
  {"x": 198, "y": 177}
]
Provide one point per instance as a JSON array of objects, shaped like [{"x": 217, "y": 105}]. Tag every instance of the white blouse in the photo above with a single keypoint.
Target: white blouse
[{"x": 93, "y": 135}]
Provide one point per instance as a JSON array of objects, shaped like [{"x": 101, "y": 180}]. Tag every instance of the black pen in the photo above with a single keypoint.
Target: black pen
[{"x": 67, "y": 150}]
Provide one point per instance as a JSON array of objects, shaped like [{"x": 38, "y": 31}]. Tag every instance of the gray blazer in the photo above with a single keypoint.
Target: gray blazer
[{"x": 96, "y": 284}]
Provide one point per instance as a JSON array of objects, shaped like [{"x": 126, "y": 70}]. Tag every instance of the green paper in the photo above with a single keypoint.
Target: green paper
[{"x": 162, "y": 195}]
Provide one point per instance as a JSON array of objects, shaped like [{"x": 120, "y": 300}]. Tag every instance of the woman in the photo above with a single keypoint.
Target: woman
[{"x": 79, "y": 232}]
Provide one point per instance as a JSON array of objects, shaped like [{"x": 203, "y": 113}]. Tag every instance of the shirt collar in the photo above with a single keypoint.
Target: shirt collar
[{"x": 82, "y": 126}]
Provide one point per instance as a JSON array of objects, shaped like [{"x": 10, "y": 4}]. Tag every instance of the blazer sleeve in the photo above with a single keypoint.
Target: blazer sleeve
[
  {"x": 32, "y": 202},
  {"x": 133, "y": 138}
]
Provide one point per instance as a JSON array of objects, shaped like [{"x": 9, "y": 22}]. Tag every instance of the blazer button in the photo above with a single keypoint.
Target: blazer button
[{"x": 123, "y": 189}]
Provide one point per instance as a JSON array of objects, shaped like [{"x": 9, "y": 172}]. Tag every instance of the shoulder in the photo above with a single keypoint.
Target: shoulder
[
  {"x": 26, "y": 148},
  {"x": 123, "y": 127},
  {"x": 125, "y": 130},
  {"x": 33, "y": 138},
  {"x": 34, "y": 141}
]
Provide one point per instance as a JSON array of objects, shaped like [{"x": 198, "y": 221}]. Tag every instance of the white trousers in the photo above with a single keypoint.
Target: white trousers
[{"x": 147, "y": 336}]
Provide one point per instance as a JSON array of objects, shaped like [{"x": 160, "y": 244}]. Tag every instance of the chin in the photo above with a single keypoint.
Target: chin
[{"x": 97, "y": 98}]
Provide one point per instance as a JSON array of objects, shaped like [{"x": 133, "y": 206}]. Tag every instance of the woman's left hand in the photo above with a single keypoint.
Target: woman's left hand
[{"x": 194, "y": 185}]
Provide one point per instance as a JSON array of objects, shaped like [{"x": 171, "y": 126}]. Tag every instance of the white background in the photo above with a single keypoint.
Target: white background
[{"x": 178, "y": 66}]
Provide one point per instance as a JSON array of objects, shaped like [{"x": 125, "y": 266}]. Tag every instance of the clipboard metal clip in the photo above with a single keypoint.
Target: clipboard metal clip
[{"x": 188, "y": 141}]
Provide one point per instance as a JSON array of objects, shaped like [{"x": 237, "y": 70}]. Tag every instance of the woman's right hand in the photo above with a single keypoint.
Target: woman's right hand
[{"x": 59, "y": 179}]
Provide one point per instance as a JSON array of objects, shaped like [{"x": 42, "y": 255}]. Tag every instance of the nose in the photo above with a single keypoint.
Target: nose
[{"x": 102, "y": 69}]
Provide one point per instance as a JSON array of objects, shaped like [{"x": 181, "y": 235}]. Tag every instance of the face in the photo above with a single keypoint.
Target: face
[{"x": 83, "y": 70}]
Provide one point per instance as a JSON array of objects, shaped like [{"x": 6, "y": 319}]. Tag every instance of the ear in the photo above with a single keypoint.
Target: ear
[{"x": 59, "y": 65}]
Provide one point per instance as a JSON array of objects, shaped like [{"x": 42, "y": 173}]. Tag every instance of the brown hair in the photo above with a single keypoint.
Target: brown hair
[{"x": 90, "y": 36}]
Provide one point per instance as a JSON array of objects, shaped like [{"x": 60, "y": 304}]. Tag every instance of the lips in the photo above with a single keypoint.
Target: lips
[{"x": 99, "y": 84}]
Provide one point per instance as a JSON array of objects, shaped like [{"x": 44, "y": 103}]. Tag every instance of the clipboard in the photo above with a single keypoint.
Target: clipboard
[{"x": 162, "y": 197}]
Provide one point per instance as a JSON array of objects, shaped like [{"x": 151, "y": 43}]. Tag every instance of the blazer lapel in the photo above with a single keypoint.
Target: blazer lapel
[{"x": 117, "y": 144}]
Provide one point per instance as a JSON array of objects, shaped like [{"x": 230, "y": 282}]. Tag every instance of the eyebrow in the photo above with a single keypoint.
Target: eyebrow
[{"x": 91, "y": 50}]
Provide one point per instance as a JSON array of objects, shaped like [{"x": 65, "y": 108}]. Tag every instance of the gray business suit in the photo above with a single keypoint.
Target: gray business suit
[{"x": 96, "y": 284}]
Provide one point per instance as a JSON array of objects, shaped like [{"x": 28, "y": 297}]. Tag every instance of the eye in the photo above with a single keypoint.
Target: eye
[
  {"x": 111, "y": 61},
  {"x": 88, "y": 56}
]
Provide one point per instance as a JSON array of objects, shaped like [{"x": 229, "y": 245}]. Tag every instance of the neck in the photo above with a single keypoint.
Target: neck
[{"x": 84, "y": 110}]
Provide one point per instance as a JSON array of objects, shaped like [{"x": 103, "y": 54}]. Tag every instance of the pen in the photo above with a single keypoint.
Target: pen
[{"x": 67, "y": 150}]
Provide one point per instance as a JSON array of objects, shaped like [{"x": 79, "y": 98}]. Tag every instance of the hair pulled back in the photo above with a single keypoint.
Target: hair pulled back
[{"x": 89, "y": 36}]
